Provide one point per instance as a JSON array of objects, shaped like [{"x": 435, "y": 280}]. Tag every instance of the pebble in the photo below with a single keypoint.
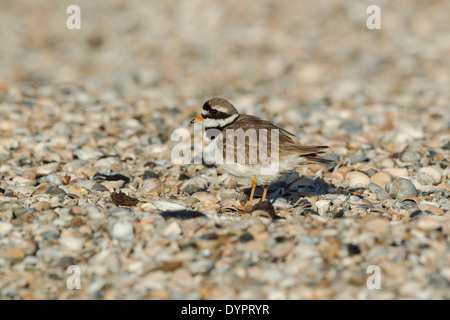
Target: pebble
[
  {"x": 202, "y": 266},
  {"x": 122, "y": 230},
  {"x": 398, "y": 172},
  {"x": 149, "y": 175},
  {"x": 387, "y": 163},
  {"x": 381, "y": 178},
  {"x": 322, "y": 207},
  {"x": 71, "y": 243},
  {"x": 83, "y": 154},
  {"x": 166, "y": 205},
  {"x": 410, "y": 156},
  {"x": 426, "y": 223},
  {"x": 5, "y": 228},
  {"x": 172, "y": 229},
  {"x": 380, "y": 193},
  {"x": 55, "y": 191},
  {"x": 357, "y": 179},
  {"x": 54, "y": 179},
  {"x": 205, "y": 197},
  {"x": 401, "y": 188},
  {"x": 12, "y": 254},
  {"x": 432, "y": 172},
  {"x": 48, "y": 232},
  {"x": 424, "y": 179},
  {"x": 149, "y": 185}
]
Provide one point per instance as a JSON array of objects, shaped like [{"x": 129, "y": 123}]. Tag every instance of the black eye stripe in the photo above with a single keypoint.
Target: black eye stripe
[{"x": 218, "y": 115}]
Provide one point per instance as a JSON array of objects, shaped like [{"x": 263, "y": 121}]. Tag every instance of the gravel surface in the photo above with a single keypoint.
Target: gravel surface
[{"x": 86, "y": 178}]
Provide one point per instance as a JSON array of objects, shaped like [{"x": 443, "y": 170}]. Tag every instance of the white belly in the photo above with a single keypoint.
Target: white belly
[{"x": 264, "y": 174}]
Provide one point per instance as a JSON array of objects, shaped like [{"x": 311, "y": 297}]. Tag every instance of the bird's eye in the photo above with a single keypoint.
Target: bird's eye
[{"x": 213, "y": 111}]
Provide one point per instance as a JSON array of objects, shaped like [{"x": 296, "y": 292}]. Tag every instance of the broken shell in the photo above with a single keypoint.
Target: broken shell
[
  {"x": 113, "y": 185},
  {"x": 357, "y": 179},
  {"x": 205, "y": 197},
  {"x": 47, "y": 168},
  {"x": 434, "y": 173},
  {"x": 424, "y": 179},
  {"x": 381, "y": 178},
  {"x": 431, "y": 208},
  {"x": 380, "y": 193},
  {"x": 228, "y": 194},
  {"x": 401, "y": 188}
]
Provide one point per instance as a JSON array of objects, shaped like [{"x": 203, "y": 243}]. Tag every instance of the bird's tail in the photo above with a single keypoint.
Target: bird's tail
[{"x": 310, "y": 153}]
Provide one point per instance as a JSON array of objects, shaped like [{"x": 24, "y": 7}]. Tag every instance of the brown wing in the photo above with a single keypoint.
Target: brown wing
[{"x": 251, "y": 140}]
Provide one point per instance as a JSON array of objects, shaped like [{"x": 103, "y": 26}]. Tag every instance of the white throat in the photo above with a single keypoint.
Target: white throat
[{"x": 219, "y": 123}]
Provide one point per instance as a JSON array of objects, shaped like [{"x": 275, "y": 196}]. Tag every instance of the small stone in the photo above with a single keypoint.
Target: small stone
[
  {"x": 410, "y": 156},
  {"x": 426, "y": 223},
  {"x": 5, "y": 228},
  {"x": 12, "y": 254},
  {"x": 353, "y": 249},
  {"x": 424, "y": 179},
  {"x": 357, "y": 179},
  {"x": 376, "y": 225},
  {"x": 381, "y": 178},
  {"x": 122, "y": 230},
  {"x": 387, "y": 163},
  {"x": 149, "y": 185},
  {"x": 71, "y": 243},
  {"x": 88, "y": 154},
  {"x": 434, "y": 173},
  {"x": 191, "y": 189},
  {"x": 150, "y": 175},
  {"x": 401, "y": 188},
  {"x": 352, "y": 126},
  {"x": 54, "y": 179},
  {"x": 380, "y": 193},
  {"x": 322, "y": 207},
  {"x": 99, "y": 187},
  {"x": 205, "y": 197},
  {"x": 166, "y": 205},
  {"x": 172, "y": 229},
  {"x": 29, "y": 173},
  {"x": 444, "y": 186},
  {"x": 48, "y": 232},
  {"x": 77, "y": 190},
  {"x": 398, "y": 172},
  {"x": 55, "y": 191},
  {"x": 203, "y": 266},
  {"x": 65, "y": 179},
  {"x": 20, "y": 181}
]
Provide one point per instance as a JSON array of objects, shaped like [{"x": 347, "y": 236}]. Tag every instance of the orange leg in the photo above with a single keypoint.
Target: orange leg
[
  {"x": 252, "y": 192},
  {"x": 265, "y": 193}
]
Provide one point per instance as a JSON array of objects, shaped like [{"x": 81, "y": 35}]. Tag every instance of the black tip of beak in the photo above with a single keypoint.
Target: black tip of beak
[{"x": 192, "y": 121}]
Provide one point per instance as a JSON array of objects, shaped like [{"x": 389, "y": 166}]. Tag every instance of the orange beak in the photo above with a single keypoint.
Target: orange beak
[{"x": 198, "y": 119}]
